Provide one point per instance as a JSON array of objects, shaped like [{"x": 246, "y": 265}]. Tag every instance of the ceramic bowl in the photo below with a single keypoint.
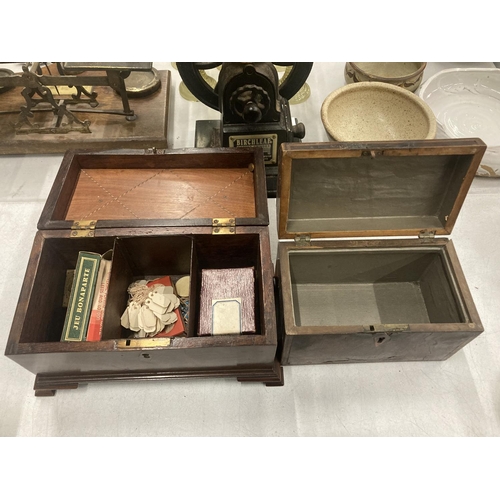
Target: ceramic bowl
[
  {"x": 374, "y": 111},
  {"x": 466, "y": 102},
  {"x": 407, "y": 75}
]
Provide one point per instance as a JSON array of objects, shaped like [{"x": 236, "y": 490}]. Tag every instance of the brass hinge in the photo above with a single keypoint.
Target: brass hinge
[
  {"x": 83, "y": 228},
  {"x": 223, "y": 226},
  {"x": 303, "y": 240},
  {"x": 426, "y": 234}
]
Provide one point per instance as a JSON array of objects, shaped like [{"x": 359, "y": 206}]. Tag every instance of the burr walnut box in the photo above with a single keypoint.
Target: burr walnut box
[
  {"x": 346, "y": 292},
  {"x": 163, "y": 213}
]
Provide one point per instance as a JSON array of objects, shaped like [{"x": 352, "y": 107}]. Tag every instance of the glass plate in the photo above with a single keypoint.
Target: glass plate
[{"x": 466, "y": 102}]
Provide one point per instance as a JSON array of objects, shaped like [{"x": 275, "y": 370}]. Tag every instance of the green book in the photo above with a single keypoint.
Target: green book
[{"x": 81, "y": 296}]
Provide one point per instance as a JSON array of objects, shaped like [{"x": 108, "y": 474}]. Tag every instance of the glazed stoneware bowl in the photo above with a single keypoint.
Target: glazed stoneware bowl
[
  {"x": 466, "y": 102},
  {"x": 374, "y": 111},
  {"x": 407, "y": 75}
]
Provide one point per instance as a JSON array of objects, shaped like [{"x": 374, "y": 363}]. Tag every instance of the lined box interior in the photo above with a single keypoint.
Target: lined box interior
[
  {"x": 381, "y": 193},
  {"x": 135, "y": 257},
  {"x": 373, "y": 287}
]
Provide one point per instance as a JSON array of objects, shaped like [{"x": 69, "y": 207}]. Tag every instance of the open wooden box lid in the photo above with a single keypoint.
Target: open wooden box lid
[
  {"x": 356, "y": 189},
  {"x": 189, "y": 187}
]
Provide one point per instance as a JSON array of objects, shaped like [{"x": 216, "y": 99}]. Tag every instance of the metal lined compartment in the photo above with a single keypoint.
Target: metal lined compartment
[
  {"x": 349, "y": 297},
  {"x": 363, "y": 194},
  {"x": 339, "y": 287}
]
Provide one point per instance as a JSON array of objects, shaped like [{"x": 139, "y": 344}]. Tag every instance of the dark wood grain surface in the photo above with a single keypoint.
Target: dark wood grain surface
[
  {"x": 170, "y": 188},
  {"x": 352, "y": 343},
  {"x": 456, "y": 162},
  {"x": 37, "y": 322}
]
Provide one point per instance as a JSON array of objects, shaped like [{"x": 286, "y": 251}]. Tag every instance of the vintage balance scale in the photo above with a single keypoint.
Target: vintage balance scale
[{"x": 53, "y": 107}]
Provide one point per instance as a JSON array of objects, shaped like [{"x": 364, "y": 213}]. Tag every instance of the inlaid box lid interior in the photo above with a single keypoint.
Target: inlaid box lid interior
[
  {"x": 374, "y": 189},
  {"x": 172, "y": 188}
]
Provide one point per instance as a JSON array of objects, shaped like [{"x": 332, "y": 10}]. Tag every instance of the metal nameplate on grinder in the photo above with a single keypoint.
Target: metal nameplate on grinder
[{"x": 268, "y": 143}]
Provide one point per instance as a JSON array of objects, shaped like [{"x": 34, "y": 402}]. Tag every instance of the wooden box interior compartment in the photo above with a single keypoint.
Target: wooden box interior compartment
[
  {"x": 178, "y": 226},
  {"x": 355, "y": 300}
]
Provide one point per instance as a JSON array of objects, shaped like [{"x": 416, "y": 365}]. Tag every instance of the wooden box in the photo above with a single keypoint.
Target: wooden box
[
  {"x": 163, "y": 213},
  {"x": 346, "y": 299}
]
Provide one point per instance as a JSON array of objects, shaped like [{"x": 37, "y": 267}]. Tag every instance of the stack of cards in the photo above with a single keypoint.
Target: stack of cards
[{"x": 151, "y": 309}]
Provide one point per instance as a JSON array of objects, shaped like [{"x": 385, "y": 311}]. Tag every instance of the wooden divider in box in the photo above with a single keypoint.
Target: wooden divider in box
[
  {"x": 346, "y": 300},
  {"x": 169, "y": 213}
]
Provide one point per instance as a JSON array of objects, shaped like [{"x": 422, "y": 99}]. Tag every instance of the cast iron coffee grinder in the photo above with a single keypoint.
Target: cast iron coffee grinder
[{"x": 254, "y": 108}]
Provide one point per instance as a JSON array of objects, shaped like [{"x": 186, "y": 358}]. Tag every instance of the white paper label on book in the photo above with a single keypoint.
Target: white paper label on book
[{"x": 226, "y": 316}]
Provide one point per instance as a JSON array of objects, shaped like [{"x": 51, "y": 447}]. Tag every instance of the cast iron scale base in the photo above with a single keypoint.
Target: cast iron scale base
[{"x": 254, "y": 108}]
